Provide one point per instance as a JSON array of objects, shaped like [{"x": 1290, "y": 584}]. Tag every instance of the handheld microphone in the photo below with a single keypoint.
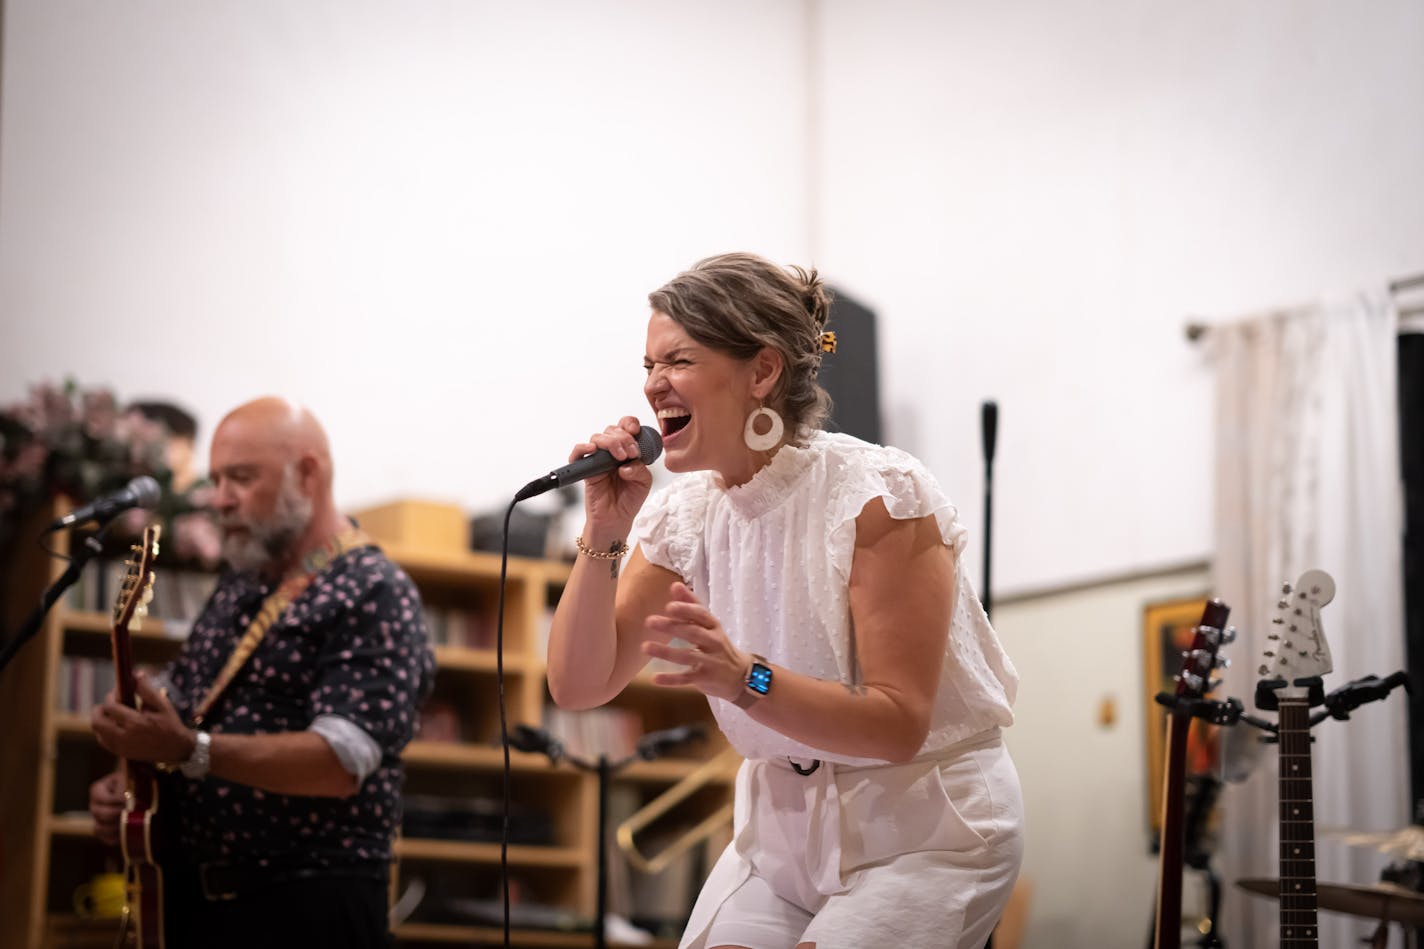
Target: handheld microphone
[
  {"x": 650, "y": 446},
  {"x": 142, "y": 491}
]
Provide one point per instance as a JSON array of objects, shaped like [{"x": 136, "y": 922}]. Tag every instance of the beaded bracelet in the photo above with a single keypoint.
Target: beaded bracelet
[{"x": 619, "y": 549}]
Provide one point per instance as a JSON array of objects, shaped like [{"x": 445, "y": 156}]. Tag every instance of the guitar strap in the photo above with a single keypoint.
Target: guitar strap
[{"x": 273, "y": 607}]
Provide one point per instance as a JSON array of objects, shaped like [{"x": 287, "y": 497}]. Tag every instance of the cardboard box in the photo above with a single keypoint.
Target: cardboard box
[{"x": 429, "y": 525}]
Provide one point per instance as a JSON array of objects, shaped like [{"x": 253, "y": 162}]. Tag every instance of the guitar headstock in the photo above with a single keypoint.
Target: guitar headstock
[
  {"x": 136, "y": 588},
  {"x": 1297, "y": 650},
  {"x": 1202, "y": 657}
]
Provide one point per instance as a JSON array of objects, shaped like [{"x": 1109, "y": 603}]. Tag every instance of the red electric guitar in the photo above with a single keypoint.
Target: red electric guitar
[
  {"x": 1193, "y": 682},
  {"x": 1294, "y": 662},
  {"x": 144, "y": 905}
]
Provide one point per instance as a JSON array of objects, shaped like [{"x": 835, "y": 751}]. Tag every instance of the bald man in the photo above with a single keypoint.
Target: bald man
[{"x": 280, "y": 724}]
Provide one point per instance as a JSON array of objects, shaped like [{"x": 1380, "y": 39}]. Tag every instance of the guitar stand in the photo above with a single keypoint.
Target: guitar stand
[
  {"x": 1338, "y": 704},
  {"x": 1225, "y": 713}
]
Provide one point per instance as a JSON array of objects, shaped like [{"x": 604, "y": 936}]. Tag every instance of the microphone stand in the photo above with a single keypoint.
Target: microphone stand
[
  {"x": 650, "y": 746},
  {"x": 988, "y": 430},
  {"x": 77, "y": 561}
]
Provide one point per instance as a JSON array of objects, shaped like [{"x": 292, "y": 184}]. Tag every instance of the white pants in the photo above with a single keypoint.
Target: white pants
[{"x": 922, "y": 854}]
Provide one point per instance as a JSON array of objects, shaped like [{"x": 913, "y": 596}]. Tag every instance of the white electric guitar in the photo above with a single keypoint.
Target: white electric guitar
[{"x": 1294, "y": 662}]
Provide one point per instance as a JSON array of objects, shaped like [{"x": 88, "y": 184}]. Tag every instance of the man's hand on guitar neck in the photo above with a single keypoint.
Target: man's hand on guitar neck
[
  {"x": 153, "y": 732},
  {"x": 301, "y": 762},
  {"x": 106, "y": 804}
]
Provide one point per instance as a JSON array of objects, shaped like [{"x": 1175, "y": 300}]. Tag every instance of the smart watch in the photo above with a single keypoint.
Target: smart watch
[{"x": 757, "y": 683}]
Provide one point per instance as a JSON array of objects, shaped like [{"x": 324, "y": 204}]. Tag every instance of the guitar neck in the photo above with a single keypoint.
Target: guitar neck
[
  {"x": 1169, "y": 860},
  {"x": 1297, "y": 823},
  {"x": 123, "y": 665}
]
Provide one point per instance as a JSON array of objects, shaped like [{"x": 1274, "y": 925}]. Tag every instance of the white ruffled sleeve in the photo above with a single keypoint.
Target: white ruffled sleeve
[
  {"x": 669, "y": 527},
  {"x": 907, "y": 489}
]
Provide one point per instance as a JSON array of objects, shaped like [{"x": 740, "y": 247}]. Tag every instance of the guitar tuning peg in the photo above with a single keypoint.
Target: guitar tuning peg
[
  {"x": 1228, "y": 635},
  {"x": 1192, "y": 681},
  {"x": 1213, "y": 685},
  {"x": 1221, "y": 662}
]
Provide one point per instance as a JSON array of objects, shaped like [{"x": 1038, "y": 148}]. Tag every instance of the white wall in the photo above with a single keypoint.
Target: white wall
[
  {"x": 1037, "y": 195},
  {"x": 435, "y": 222}
]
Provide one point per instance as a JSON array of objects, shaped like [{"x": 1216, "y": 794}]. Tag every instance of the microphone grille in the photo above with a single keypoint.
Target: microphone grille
[
  {"x": 146, "y": 492},
  {"x": 650, "y": 444}
]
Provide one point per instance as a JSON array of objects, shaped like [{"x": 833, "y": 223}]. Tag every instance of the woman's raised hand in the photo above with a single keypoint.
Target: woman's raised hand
[
  {"x": 711, "y": 664},
  {"x": 611, "y": 501}
]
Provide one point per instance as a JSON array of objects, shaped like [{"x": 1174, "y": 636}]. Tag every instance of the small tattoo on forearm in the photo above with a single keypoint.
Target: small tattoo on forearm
[{"x": 613, "y": 564}]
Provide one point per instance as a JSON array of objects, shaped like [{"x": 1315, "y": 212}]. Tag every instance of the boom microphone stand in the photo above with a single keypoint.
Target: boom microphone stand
[
  {"x": 650, "y": 746},
  {"x": 77, "y": 561}
]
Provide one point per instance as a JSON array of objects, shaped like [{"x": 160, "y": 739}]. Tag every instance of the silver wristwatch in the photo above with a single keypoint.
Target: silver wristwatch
[{"x": 197, "y": 764}]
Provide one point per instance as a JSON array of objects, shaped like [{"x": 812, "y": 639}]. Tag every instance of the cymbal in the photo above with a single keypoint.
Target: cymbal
[
  {"x": 1376, "y": 901},
  {"x": 1406, "y": 843}
]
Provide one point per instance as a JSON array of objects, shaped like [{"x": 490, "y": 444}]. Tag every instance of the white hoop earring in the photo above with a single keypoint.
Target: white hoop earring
[{"x": 772, "y": 438}]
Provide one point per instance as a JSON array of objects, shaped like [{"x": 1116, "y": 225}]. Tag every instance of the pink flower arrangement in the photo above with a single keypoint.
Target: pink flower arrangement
[{"x": 79, "y": 444}]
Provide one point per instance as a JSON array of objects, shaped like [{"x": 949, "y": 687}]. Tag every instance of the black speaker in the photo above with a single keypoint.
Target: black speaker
[{"x": 851, "y": 374}]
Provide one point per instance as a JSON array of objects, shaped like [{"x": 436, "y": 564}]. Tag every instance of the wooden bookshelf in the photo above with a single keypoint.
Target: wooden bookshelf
[{"x": 48, "y": 839}]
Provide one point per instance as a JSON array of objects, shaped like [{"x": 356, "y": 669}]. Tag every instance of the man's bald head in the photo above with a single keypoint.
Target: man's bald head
[
  {"x": 271, "y": 467},
  {"x": 278, "y": 427}
]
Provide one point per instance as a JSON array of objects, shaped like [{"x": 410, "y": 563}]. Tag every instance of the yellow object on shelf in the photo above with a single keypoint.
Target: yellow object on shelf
[{"x": 430, "y": 525}]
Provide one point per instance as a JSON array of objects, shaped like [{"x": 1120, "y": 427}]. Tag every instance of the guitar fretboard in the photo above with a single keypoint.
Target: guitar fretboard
[{"x": 1297, "y": 821}]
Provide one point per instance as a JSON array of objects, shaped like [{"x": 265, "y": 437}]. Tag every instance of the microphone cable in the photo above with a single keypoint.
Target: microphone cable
[{"x": 503, "y": 720}]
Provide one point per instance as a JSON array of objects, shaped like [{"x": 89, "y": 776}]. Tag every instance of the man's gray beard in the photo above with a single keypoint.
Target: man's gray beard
[{"x": 269, "y": 543}]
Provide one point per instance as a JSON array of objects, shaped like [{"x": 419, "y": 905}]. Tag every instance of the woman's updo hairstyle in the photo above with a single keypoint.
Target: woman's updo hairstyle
[{"x": 739, "y": 303}]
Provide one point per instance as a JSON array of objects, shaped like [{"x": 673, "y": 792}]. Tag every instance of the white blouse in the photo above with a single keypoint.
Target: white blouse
[{"x": 771, "y": 559}]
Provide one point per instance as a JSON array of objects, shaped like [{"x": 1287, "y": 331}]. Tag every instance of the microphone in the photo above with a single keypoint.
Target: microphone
[
  {"x": 142, "y": 491},
  {"x": 650, "y": 446},
  {"x": 538, "y": 740},
  {"x": 989, "y": 428},
  {"x": 654, "y": 744}
]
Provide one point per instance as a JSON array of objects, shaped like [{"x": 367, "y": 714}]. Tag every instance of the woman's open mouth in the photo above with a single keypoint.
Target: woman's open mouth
[{"x": 672, "y": 421}]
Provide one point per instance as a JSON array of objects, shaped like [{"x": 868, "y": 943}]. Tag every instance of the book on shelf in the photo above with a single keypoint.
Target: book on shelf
[
  {"x": 439, "y": 721},
  {"x": 178, "y": 595},
  {"x": 82, "y": 683},
  {"x": 459, "y": 627}
]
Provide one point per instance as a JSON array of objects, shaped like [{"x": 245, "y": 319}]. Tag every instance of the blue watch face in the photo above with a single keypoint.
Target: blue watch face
[{"x": 759, "y": 679}]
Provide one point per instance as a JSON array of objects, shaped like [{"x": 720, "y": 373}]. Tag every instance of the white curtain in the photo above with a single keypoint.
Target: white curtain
[{"x": 1308, "y": 475}]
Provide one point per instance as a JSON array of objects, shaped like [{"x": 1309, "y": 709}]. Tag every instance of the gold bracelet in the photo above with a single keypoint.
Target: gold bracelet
[{"x": 616, "y": 553}]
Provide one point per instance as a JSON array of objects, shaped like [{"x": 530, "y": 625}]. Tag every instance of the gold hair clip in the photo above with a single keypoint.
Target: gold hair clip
[{"x": 828, "y": 342}]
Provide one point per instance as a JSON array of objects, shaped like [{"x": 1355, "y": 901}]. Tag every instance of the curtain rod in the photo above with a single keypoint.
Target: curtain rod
[
  {"x": 1406, "y": 283},
  {"x": 1196, "y": 329}
]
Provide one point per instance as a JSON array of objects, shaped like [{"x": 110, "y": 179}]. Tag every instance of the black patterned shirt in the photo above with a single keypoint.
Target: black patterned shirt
[{"x": 352, "y": 645}]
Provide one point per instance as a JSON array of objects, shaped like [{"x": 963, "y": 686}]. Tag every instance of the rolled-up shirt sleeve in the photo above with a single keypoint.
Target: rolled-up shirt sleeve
[{"x": 357, "y": 751}]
